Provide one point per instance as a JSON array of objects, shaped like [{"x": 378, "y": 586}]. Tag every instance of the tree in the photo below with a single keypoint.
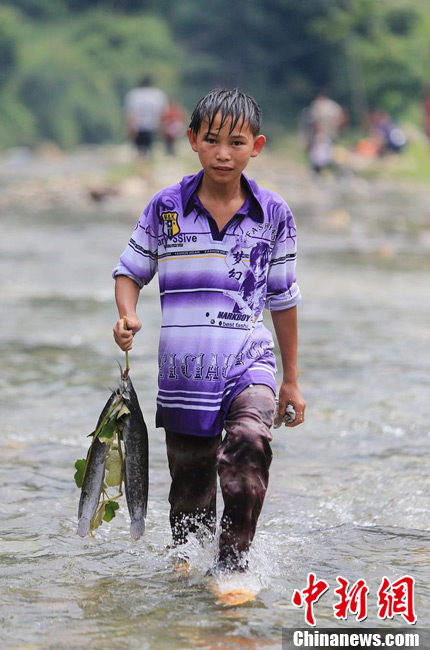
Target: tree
[{"x": 74, "y": 77}]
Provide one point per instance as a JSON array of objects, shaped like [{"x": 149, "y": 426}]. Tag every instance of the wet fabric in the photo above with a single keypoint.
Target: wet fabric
[
  {"x": 241, "y": 459},
  {"x": 213, "y": 288}
]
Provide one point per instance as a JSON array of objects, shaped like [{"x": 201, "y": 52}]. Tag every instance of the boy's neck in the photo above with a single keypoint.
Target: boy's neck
[
  {"x": 221, "y": 201},
  {"x": 220, "y": 193}
]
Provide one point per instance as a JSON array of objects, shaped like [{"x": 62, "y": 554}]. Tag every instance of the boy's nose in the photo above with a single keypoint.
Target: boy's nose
[{"x": 223, "y": 153}]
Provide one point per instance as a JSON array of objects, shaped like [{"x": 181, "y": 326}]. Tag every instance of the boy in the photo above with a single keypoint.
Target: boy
[{"x": 224, "y": 248}]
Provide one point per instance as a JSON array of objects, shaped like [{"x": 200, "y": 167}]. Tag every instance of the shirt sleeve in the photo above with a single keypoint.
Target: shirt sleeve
[
  {"x": 282, "y": 289},
  {"x": 139, "y": 261}
]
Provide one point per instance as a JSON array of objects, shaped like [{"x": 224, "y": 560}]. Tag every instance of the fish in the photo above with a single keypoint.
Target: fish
[
  {"x": 95, "y": 472},
  {"x": 133, "y": 432},
  {"x": 136, "y": 462}
]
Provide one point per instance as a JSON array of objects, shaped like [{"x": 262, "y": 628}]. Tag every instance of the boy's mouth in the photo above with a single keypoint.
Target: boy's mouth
[{"x": 221, "y": 168}]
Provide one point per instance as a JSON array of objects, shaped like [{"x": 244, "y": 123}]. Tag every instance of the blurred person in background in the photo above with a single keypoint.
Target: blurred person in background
[
  {"x": 386, "y": 135},
  {"x": 173, "y": 125},
  {"x": 143, "y": 107},
  {"x": 325, "y": 118}
]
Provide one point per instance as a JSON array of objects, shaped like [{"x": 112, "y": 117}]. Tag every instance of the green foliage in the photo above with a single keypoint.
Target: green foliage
[
  {"x": 114, "y": 468},
  {"x": 80, "y": 467},
  {"x": 105, "y": 512},
  {"x": 106, "y": 434},
  {"x": 269, "y": 50},
  {"x": 38, "y": 9},
  {"x": 97, "y": 520},
  {"x": 9, "y": 44},
  {"x": 17, "y": 123},
  {"x": 109, "y": 511},
  {"x": 74, "y": 74},
  {"x": 65, "y": 65},
  {"x": 283, "y": 51},
  {"x": 378, "y": 44}
]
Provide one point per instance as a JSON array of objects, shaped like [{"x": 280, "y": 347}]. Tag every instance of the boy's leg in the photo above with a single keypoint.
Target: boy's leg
[
  {"x": 244, "y": 458},
  {"x": 192, "y": 497}
]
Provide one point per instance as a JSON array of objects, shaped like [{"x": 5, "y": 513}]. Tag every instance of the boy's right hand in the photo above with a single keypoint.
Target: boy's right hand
[{"x": 124, "y": 337}]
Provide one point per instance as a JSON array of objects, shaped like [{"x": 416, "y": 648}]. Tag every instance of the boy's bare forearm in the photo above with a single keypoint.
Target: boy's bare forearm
[
  {"x": 126, "y": 296},
  {"x": 285, "y": 324}
]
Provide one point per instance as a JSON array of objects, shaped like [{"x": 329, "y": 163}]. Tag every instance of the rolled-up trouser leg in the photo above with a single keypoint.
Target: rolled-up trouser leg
[
  {"x": 244, "y": 458},
  {"x": 192, "y": 497}
]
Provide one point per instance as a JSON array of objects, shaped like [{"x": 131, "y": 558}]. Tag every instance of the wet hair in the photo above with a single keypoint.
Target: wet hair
[{"x": 232, "y": 105}]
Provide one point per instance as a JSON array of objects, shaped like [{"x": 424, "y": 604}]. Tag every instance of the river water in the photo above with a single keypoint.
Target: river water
[{"x": 350, "y": 489}]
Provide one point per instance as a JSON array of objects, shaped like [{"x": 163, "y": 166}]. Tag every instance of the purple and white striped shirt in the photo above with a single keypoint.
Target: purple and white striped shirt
[{"x": 213, "y": 287}]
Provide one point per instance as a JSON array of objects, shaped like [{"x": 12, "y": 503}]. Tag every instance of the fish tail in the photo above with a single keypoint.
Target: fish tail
[
  {"x": 83, "y": 527},
  {"x": 137, "y": 528}
]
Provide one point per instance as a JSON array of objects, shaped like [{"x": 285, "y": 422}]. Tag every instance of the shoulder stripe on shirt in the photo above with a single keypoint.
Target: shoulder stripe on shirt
[
  {"x": 279, "y": 293},
  {"x": 142, "y": 251},
  {"x": 280, "y": 260}
]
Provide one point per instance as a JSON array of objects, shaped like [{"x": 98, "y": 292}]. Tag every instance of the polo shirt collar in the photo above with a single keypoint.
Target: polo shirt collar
[{"x": 252, "y": 206}]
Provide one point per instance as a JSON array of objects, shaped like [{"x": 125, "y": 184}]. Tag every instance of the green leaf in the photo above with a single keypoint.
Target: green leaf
[
  {"x": 106, "y": 434},
  {"x": 110, "y": 508},
  {"x": 98, "y": 517},
  {"x": 113, "y": 468},
  {"x": 80, "y": 472}
]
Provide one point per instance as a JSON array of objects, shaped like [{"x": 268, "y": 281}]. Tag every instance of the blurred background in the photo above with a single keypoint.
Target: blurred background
[{"x": 65, "y": 65}]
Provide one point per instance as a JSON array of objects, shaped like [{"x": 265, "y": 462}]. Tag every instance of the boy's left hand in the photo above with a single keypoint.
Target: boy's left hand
[{"x": 290, "y": 393}]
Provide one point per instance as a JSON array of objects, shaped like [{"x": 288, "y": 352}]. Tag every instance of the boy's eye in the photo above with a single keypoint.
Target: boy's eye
[
  {"x": 237, "y": 143},
  {"x": 210, "y": 139}
]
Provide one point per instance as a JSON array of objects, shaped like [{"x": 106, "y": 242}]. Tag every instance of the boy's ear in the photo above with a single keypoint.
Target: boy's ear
[
  {"x": 259, "y": 143},
  {"x": 192, "y": 137}
]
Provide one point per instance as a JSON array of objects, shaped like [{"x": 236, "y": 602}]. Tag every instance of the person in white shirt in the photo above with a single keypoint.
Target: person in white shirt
[
  {"x": 326, "y": 118},
  {"x": 143, "y": 109}
]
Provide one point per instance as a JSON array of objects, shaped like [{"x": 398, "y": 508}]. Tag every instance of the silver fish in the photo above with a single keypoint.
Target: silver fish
[
  {"x": 132, "y": 429},
  {"x": 94, "y": 475},
  {"x": 136, "y": 463}
]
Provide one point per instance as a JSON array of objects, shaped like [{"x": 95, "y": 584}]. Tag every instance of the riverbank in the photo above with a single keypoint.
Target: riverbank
[
  {"x": 348, "y": 210},
  {"x": 112, "y": 175}
]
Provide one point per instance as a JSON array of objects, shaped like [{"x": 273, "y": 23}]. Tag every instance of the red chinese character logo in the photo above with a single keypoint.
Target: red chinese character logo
[
  {"x": 310, "y": 595},
  {"x": 397, "y": 598},
  {"x": 354, "y": 600}
]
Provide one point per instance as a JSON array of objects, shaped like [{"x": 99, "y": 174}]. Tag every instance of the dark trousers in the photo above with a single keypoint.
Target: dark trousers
[
  {"x": 242, "y": 460},
  {"x": 144, "y": 141}
]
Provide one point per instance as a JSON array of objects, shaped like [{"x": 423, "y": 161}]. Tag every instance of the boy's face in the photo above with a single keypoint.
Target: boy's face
[{"x": 225, "y": 155}]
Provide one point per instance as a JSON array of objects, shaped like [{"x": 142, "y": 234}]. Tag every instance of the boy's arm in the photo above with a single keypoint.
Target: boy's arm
[
  {"x": 285, "y": 324},
  {"x": 126, "y": 296}
]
